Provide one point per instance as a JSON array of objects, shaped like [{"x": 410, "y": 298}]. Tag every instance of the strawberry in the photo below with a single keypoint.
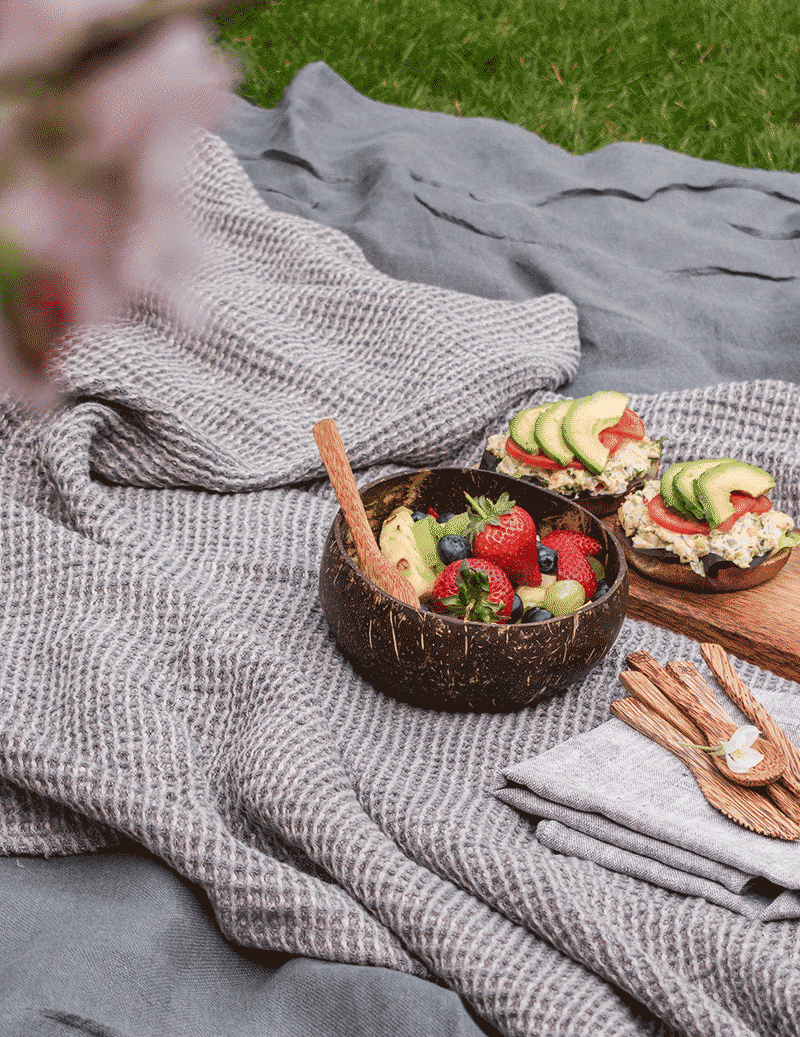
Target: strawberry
[
  {"x": 504, "y": 533},
  {"x": 571, "y": 539},
  {"x": 473, "y": 589},
  {"x": 572, "y": 565}
]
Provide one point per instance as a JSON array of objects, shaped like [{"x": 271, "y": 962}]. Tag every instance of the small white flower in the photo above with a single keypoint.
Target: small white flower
[{"x": 739, "y": 755}]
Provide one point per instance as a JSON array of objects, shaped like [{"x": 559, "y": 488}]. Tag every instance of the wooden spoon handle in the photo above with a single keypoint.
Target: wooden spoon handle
[
  {"x": 642, "y": 688},
  {"x": 692, "y": 679},
  {"x": 334, "y": 457},
  {"x": 373, "y": 565},
  {"x": 709, "y": 721}
]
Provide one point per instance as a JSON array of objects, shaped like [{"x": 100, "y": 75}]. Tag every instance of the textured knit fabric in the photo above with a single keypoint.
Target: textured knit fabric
[
  {"x": 613, "y": 773},
  {"x": 166, "y": 672},
  {"x": 684, "y": 272}
]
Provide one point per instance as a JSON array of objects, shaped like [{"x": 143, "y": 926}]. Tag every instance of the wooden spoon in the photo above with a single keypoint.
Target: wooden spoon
[
  {"x": 643, "y": 689},
  {"x": 747, "y": 807},
  {"x": 737, "y": 691},
  {"x": 683, "y": 683},
  {"x": 373, "y": 564}
]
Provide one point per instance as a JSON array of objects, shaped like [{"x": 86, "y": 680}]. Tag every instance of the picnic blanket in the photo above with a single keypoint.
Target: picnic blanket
[
  {"x": 684, "y": 271},
  {"x": 168, "y": 679}
]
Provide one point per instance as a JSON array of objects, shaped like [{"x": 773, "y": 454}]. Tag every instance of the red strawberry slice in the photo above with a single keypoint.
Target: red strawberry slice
[
  {"x": 504, "y": 533},
  {"x": 571, "y": 539},
  {"x": 572, "y": 565},
  {"x": 473, "y": 589}
]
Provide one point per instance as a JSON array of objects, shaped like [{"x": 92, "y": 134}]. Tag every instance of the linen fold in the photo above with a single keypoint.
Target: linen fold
[{"x": 614, "y": 797}]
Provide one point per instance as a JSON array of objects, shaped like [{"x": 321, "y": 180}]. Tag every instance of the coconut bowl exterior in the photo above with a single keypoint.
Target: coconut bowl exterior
[{"x": 440, "y": 662}]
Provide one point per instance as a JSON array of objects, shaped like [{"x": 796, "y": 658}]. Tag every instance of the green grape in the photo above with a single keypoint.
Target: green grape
[{"x": 564, "y": 597}]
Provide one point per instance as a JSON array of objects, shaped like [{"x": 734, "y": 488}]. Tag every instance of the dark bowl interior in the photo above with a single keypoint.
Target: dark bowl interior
[{"x": 441, "y": 662}]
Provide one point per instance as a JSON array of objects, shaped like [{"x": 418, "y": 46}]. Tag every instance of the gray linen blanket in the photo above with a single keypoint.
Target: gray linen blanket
[
  {"x": 166, "y": 674},
  {"x": 685, "y": 272}
]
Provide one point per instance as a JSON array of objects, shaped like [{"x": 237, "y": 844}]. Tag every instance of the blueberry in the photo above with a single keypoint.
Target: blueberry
[
  {"x": 452, "y": 547},
  {"x": 445, "y": 517},
  {"x": 417, "y": 515},
  {"x": 516, "y": 609},
  {"x": 548, "y": 559},
  {"x": 424, "y": 607},
  {"x": 602, "y": 590},
  {"x": 535, "y": 615}
]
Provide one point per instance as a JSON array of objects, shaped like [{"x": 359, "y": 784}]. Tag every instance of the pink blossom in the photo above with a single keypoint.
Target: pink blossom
[{"x": 89, "y": 171}]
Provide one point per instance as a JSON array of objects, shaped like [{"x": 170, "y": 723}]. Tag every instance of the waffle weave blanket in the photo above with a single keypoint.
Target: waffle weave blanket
[
  {"x": 166, "y": 674},
  {"x": 684, "y": 271}
]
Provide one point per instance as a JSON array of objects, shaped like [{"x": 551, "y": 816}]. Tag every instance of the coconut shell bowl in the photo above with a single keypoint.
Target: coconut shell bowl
[{"x": 441, "y": 662}]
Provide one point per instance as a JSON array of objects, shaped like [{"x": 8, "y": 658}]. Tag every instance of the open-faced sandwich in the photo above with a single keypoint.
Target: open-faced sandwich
[
  {"x": 707, "y": 525},
  {"x": 593, "y": 450}
]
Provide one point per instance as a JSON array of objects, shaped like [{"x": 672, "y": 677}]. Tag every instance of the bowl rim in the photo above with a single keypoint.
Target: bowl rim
[{"x": 339, "y": 522}]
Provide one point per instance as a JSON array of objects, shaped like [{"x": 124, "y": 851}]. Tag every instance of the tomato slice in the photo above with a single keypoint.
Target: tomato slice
[
  {"x": 630, "y": 425},
  {"x": 513, "y": 449},
  {"x": 742, "y": 504},
  {"x": 612, "y": 439},
  {"x": 669, "y": 519}
]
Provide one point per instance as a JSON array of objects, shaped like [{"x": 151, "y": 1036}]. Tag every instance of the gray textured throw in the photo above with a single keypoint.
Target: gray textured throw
[
  {"x": 166, "y": 673},
  {"x": 612, "y": 796},
  {"x": 684, "y": 272}
]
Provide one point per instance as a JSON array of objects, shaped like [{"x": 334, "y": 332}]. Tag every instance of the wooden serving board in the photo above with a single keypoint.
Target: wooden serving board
[{"x": 761, "y": 625}]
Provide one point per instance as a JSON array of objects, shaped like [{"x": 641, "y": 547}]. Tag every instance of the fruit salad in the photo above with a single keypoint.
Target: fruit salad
[{"x": 487, "y": 563}]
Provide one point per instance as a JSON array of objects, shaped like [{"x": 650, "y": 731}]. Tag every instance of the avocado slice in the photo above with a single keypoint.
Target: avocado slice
[
  {"x": 586, "y": 419},
  {"x": 398, "y": 545},
  {"x": 548, "y": 433},
  {"x": 667, "y": 490},
  {"x": 522, "y": 425},
  {"x": 683, "y": 484},
  {"x": 425, "y": 534},
  {"x": 715, "y": 486}
]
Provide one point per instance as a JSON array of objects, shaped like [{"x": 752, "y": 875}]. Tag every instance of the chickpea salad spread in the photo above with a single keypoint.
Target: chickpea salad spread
[
  {"x": 632, "y": 460},
  {"x": 751, "y": 536}
]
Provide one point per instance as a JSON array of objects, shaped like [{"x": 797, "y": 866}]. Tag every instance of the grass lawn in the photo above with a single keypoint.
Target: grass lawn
[{"x": 716, "y": 79}]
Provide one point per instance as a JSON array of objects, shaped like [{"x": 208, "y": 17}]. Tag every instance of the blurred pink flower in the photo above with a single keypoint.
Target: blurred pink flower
[{"x": 90, "y": 162}]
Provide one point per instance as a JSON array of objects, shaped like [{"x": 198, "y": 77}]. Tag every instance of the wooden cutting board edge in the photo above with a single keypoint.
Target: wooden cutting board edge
[{"x": 760, "y": 625}]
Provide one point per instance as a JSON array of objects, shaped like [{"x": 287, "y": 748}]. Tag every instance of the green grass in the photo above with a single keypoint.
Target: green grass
[{"x": 716, "y": 79}]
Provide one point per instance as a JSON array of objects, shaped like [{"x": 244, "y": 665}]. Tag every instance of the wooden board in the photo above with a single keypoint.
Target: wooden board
[{"x": 761, "y": 625}]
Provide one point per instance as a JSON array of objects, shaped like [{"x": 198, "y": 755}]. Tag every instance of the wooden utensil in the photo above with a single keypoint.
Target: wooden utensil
[
  {"x": 737, "y": 691},
  {"x": 643, "y": 689},
  {"x": 373, "y": 564},
  {"x": 777, "y": 791},
  {"x": 684, "y": 685},
  {"x": 747, "y": 807}
]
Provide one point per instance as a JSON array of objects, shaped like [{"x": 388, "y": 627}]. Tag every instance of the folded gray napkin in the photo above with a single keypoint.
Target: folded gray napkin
[{"x": 614, "y": 797}]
